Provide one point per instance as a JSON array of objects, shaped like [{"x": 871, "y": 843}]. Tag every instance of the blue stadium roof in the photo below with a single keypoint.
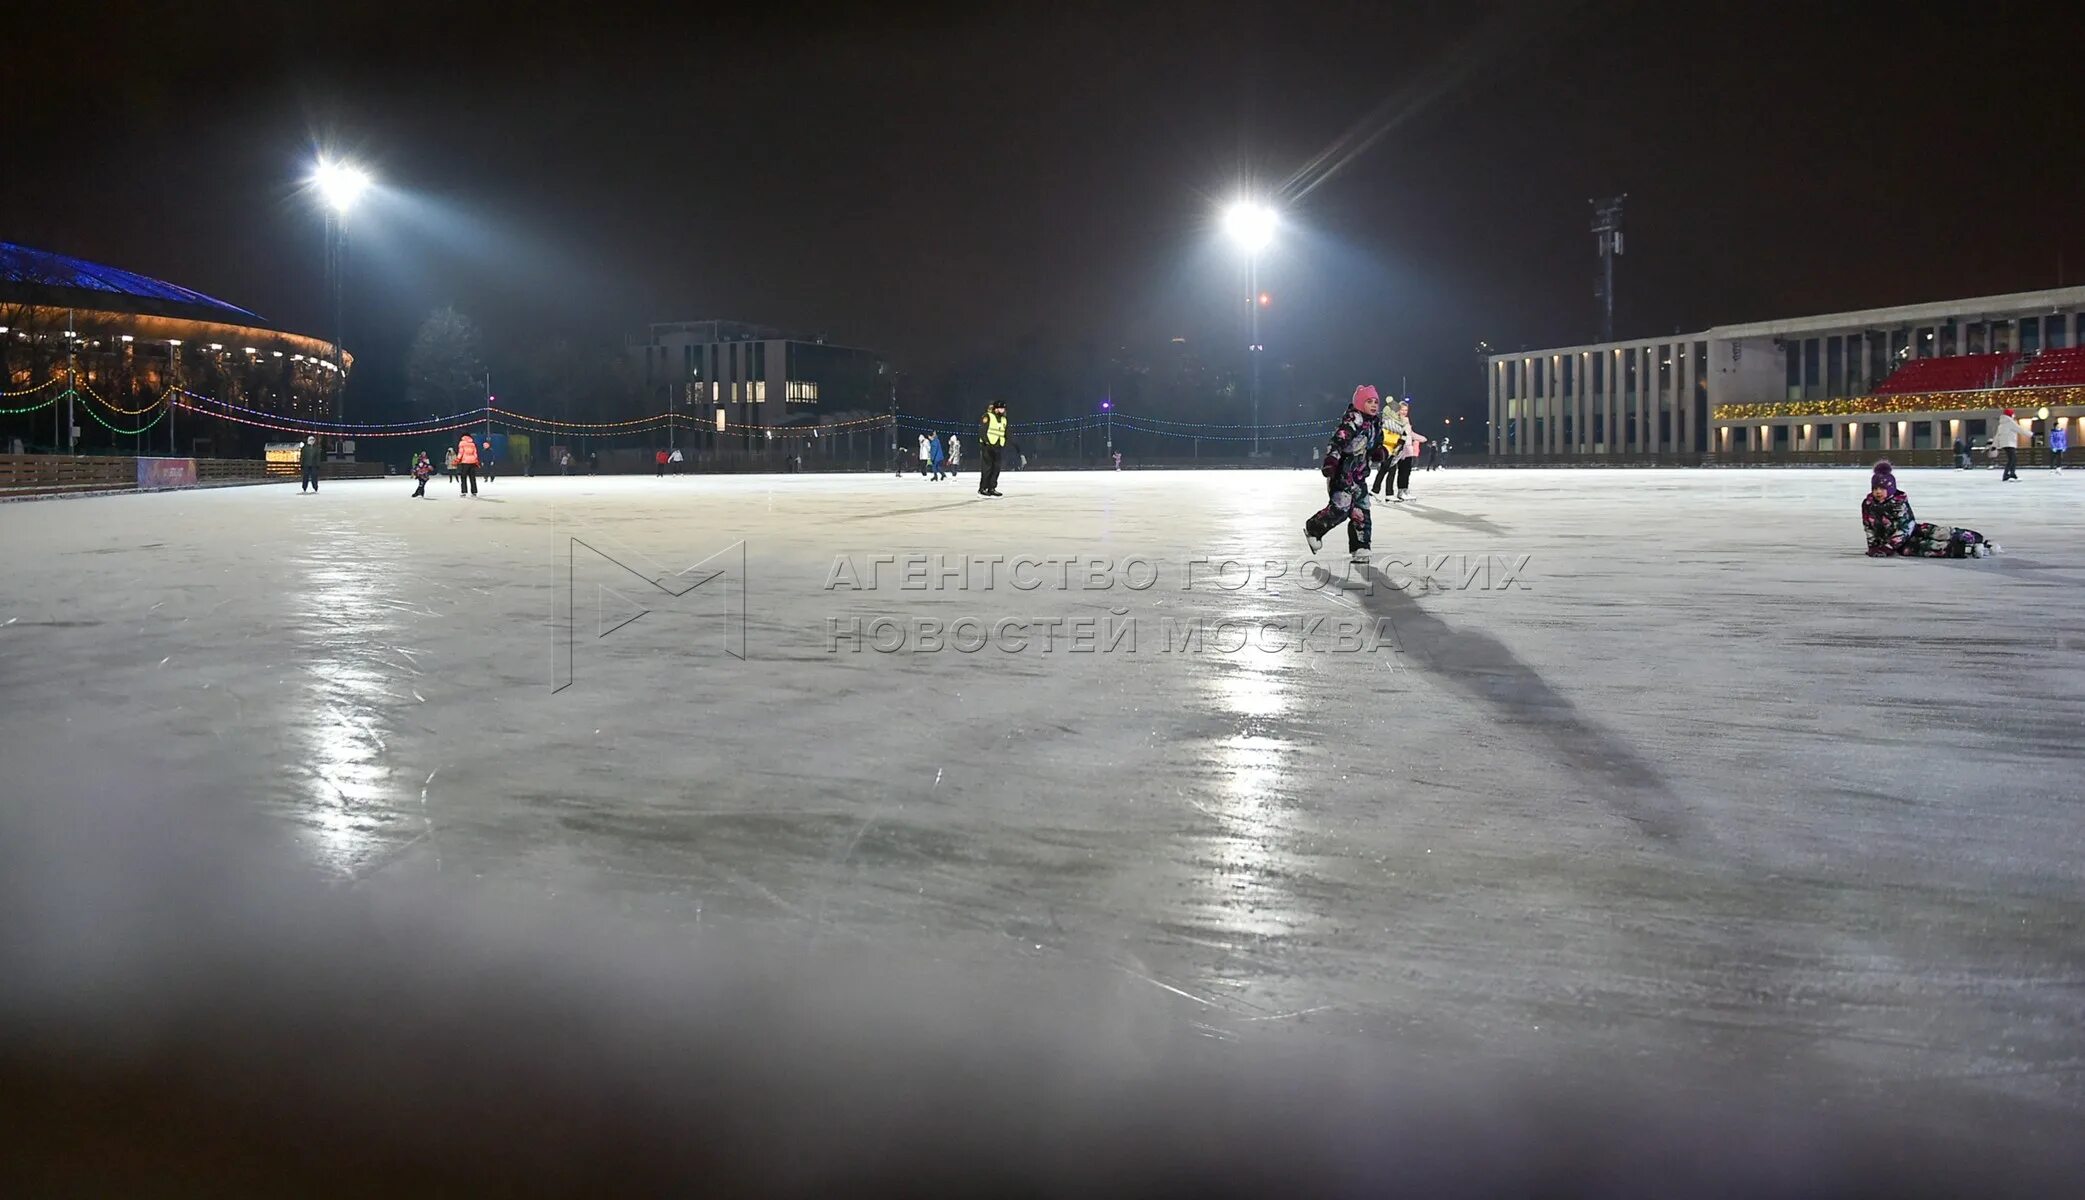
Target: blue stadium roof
[{"x": 28, "y": 272}]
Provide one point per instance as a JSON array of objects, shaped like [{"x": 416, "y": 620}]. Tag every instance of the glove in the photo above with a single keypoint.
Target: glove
[{"x": 1377, "y": 455}]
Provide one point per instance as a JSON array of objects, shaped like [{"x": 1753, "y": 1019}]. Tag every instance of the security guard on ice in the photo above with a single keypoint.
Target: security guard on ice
[{"x": 992, "y": 432}]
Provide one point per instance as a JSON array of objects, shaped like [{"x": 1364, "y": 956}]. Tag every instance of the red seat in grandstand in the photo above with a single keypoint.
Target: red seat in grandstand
[
  {"x": 1955, "y": 373},
  {"x": 2052, "y": 368}
]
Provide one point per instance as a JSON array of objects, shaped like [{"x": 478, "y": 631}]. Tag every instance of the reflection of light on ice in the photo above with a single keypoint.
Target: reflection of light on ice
[
  {"x": 1251, "y": 772},
  {"x": 341, "y": 728}
]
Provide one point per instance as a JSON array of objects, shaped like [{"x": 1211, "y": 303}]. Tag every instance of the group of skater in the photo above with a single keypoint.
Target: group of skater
[
  {"x": 460, "y": 463},
  {"x": 2010, "y": 439},
  {"x": 1402, "y": 446},
  {"x": 1367, "y": 437},
  {"x": 940, "y": 458}
]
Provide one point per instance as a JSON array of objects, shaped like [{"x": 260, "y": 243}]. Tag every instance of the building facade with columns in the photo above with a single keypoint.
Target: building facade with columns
[{"x": 1913, "y": 377}]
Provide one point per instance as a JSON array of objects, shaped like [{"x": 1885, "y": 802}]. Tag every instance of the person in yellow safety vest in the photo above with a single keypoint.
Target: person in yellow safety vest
[{"x": 992, "y": 433}]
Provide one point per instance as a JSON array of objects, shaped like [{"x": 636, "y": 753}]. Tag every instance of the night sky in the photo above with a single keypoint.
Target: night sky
[{"x": 941, "y": 183}]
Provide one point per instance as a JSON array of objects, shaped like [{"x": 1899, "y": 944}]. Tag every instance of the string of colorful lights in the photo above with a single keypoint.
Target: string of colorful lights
[
  {"x": 30, "y": 391},
  {"x": 211, "y": 406},
  {"x": 121, "y": 431}
]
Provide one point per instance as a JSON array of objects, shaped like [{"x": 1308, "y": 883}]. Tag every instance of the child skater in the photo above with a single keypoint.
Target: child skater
[
  {"x": 1892, "y": 530},
  {"x": 1357, "y": 442},
  {"x": 422, "y": 469}
]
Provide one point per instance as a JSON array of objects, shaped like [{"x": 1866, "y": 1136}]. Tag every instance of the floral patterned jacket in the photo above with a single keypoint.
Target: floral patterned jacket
[
  {"x": 1357, "y": 442},
  {"x": 1890, "y": 524}
]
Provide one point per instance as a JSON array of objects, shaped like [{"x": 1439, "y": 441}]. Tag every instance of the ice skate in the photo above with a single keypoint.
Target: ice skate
[
  {"x": 1314, "y": 540},
  {"x": 1359, "y": 558}
]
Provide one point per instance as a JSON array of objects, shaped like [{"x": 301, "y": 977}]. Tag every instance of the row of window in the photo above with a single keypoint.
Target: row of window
[{"x": 1560, "y": 374}]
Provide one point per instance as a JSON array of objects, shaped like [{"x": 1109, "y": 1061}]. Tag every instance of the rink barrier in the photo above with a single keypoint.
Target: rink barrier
[{"x": 48, "y": 476}]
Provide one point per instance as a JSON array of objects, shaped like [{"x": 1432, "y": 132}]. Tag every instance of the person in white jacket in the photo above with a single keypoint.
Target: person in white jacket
[
  {"x": 926, "y": 454},
  {"x": 2007, "y": 440},
  {"x": 1407, "y": 454},
  {"x": 955, "y": 453}
]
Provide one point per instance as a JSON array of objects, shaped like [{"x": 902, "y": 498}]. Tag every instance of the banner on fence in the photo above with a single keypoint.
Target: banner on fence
[{"x": 166, "y": 472}]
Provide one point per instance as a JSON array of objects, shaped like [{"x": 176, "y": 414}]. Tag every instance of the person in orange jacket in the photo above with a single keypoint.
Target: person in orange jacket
[{"x": 467, "y": 465}]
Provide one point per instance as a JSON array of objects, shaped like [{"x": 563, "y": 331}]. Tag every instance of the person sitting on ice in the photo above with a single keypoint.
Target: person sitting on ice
[
  {"x": 1893, "y": 530},
  {"x": 1357, "y": 442}
]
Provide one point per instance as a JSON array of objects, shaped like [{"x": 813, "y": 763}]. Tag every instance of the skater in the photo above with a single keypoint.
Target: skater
[
  {"x": 1961, "y": 453},
  {"x": 485, "y": 461},
  {"x": 1356, "y": 443},
  {"x": 1894, "y": 531},
  {"x": 935, "y": 454},
  {"x": 1395, "y": 430},
  {"x": 1118, "y": 460},
  {"x": 1407, "y": 454},
  {"x": 2007, "y": 442},
  {"x": 449, "y": 465},
  {"x": 955, "y": 454},
  {"x": 593, "y": 462},
  {"x": 423, "y": 469},
  {"x": 992, "y": 435},
  {"x": 564, "y": 462},
  {"x": 2059, "y": 441},
  {"x": 659, "y": 461},
  {"x": 308, "y": 457},
  {"x": 675, "y": 460},
  {"x": 466, "y": 466},
  {"x": 1433, "y": 456}
]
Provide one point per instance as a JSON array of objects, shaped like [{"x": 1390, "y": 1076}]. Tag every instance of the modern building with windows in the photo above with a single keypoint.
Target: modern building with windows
[
  {"x": 732, "y": 375},
  {"x": 1900, "y": 379}
]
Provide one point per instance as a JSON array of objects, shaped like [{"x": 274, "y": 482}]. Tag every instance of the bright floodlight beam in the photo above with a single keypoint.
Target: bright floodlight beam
[
  {"x": 340, "y": 184},
  {"x": 1251, "y": 225}
]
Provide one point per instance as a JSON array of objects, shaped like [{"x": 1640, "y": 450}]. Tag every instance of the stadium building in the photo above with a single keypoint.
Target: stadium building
[
  {"x": 123, "y": 345},
  {"x": 1905, "y": 381},
  {"x": 728, "y": 374}
]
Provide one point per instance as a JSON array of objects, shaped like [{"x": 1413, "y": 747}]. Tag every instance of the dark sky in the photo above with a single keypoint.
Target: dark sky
[{"x": 938, "y": 182}]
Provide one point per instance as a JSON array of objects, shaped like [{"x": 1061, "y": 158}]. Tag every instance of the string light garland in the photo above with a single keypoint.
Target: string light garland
[
  {"x": 1853, "y": 406},
  {"x": 362, "y": 433},
  {"x": 53, "y": 381},
  {"x": 124, "y": 432},
  {"x": 342, "y": 427},
  {"x": 121, "y": 411},
  {"x": 36, "y": 407}
]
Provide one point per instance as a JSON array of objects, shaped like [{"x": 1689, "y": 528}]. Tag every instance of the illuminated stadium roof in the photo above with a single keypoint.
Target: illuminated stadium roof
[{"x": 42, "y": 278}]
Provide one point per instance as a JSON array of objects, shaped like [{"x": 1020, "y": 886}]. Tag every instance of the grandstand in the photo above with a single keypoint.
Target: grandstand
[{"x": 1843, "y": 385}]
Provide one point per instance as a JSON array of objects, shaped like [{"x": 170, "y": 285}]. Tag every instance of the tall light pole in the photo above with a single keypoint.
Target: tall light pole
[
  {"x": 1251, "y": 225},
  {"x": 1607, "y": 234},
  {"x": 339, "y": 185}
]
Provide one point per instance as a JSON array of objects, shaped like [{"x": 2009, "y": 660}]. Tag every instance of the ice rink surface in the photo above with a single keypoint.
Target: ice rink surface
[{"x": 1659, "y": 769}]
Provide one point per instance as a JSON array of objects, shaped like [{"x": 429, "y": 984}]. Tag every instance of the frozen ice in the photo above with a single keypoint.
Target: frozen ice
[{"x": 1647, "y": 764}]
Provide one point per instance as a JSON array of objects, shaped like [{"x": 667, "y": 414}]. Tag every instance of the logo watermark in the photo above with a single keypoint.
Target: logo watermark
[
  {"x": 624, "y": 586},
  {"x": 1029, "y": 573}
]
